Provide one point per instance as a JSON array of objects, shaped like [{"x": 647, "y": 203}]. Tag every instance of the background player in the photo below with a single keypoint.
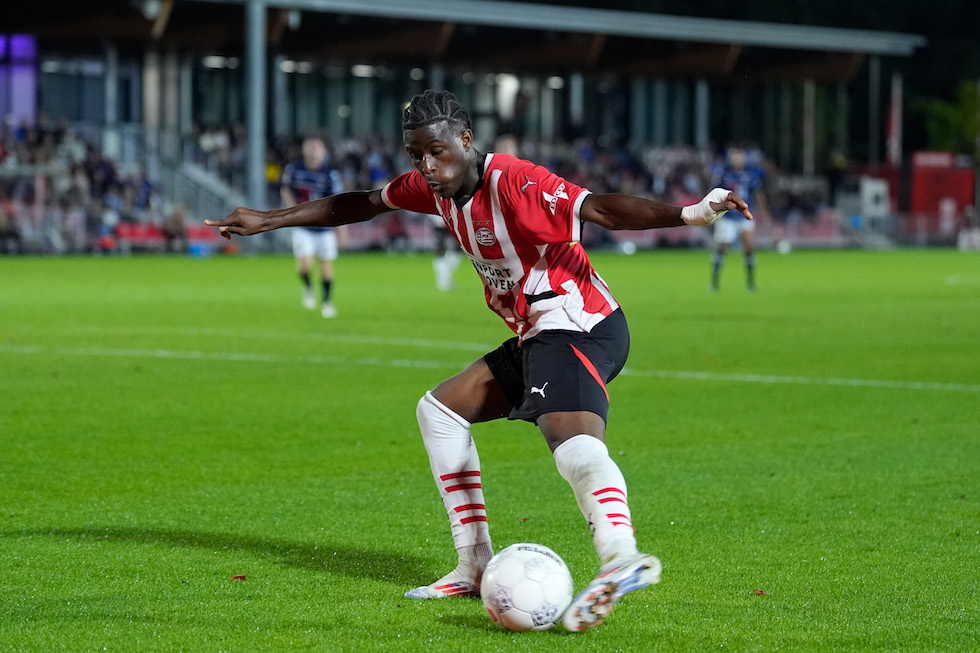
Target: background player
[
  {"x": 309, "y": 178},
  {"x": 447, "y": 256},
  {"x": 745, "y": 177},
  {"x": 519, "y": 224}
]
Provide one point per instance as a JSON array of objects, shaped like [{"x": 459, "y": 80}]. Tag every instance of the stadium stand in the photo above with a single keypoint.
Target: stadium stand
[
  {"x": 87, "y": 205},
  {"x": 632, "y": 109}
]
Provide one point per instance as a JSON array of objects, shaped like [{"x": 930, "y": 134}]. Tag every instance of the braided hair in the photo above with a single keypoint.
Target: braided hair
[{"x": 430, "y": 107}]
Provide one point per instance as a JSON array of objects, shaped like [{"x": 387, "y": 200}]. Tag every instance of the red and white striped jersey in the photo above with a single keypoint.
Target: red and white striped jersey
[{"x": 521, "y": 229}]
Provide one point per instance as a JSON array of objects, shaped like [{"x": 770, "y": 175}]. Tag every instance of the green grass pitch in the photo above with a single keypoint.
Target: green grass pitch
[{"x": 805, "y": 460}]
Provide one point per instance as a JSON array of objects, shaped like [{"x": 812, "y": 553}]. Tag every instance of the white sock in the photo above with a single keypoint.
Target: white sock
[
  {"x": 455, "y": 467},
  {"x": 472, "y": 561},
  {"x": 600, "y": 491}
]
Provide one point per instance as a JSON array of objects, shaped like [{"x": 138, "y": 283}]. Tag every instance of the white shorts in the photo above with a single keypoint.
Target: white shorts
[
  {"x": 322, "y": 244},
  {"x": 726, "y": 231}
]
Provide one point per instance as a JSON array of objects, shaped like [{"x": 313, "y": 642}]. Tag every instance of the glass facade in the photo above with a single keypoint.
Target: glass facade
[{"x": 351, "y": 100}]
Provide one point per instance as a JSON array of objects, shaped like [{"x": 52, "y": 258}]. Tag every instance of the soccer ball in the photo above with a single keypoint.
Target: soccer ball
[{"x": 526, "y": 587}]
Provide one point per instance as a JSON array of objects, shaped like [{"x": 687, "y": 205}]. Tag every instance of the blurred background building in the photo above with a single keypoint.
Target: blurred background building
[{"x": 176, "y": 110}]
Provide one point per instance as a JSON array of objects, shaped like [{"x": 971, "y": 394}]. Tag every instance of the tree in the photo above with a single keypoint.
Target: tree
[{"x": 954, "y": 125}]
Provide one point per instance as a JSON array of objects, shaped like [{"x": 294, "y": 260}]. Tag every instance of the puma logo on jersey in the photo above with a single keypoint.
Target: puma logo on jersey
[
  {"x": 560, "y": 194},
  {"x": 540, "y": 390},
  {"x": 529, "y": 183}
]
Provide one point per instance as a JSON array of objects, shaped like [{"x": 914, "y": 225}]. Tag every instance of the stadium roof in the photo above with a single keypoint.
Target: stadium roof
[
  {"x": 476, "y": 34},
  {"x": 617, "y": 23}
]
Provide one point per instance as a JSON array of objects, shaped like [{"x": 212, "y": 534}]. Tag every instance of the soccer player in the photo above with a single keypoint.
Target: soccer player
[
  {"x": 309, "y": 178},
  {"x": 447, "y": 254},
  {"x": 746, "y": 179},
  {"x": 520, "y": 226}
]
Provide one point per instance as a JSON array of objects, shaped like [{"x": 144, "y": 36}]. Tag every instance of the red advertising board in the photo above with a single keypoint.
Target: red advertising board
[{"x": 938, "y": 184}]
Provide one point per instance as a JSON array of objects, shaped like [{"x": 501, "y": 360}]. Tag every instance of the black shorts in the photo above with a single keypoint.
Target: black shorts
[{"x": 560, "y": 371}]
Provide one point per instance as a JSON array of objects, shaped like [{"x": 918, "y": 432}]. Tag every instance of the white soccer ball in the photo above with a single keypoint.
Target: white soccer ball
[{"x": 526, "y": 587}]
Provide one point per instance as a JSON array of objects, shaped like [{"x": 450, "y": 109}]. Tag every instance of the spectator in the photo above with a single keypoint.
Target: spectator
[
  {"x": 175, "y": 230},
  {"x": 10, "y": 237}
]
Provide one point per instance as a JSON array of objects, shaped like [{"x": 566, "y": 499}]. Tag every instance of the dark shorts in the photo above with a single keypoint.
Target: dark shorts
[{"x": 560, "y": 371}]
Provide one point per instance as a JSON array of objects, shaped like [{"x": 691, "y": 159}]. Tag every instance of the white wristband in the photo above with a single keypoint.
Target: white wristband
[{"x": 701, "y": 214}]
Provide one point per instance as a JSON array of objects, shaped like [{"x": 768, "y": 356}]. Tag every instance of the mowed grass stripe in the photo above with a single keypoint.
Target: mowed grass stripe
[
  {"x": 402, "y": 362},
  {"x": 789, "y": 515},
  {"x": 262, "y": 334}
]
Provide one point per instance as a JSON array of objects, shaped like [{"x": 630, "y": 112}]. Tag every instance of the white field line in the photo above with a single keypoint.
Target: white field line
[
  {"x": 804, "y": 380},
  {"x": 374, "y": 361},
  {"x": 237, "y": 335},
  {"x": 963, "y": 280},
  {"x": 172, "y": 354}
]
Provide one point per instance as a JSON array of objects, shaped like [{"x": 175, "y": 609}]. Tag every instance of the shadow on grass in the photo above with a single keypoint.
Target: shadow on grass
[
  {"x": 481, "y": 623},
  {"x": 326, "y": 556}
]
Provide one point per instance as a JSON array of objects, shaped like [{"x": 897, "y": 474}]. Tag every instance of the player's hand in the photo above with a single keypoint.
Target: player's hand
[
  {"x": 713, "y": 206},
  {"x": 241, "y": 222},
  {"x": 732, "y": 203}
]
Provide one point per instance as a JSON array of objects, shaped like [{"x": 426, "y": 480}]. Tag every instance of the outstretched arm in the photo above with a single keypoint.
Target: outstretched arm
[
  {"x": 331, "y": 211},
  {"x": 618, "y": 211}
]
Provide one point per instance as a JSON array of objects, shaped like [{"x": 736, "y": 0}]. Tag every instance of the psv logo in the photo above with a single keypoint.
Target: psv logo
[{"x": 485, "y": 237}]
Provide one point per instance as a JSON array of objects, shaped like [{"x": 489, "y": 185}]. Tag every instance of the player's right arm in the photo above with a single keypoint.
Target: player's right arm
[{"x": 330, "y": 211}]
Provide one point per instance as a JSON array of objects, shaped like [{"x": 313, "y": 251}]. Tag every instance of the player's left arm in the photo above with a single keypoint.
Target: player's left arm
[{"x": 619, "y": 211}]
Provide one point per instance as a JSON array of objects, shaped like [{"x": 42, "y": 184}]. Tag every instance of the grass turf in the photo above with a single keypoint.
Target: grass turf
[{"x": 804, "y": 460}]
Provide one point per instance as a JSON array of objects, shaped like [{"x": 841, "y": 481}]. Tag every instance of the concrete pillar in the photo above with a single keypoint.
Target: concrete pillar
[
  {"x": 874, "y": 111},
  {"x": 661, "y": 112},
  {"x": 639, "y": 112},
  {"x": 111, "y": 142},
  {"x": 809, "y": 125},
  {"x": 255, "y": 119},
  {"x": 702, "y": 114}
]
